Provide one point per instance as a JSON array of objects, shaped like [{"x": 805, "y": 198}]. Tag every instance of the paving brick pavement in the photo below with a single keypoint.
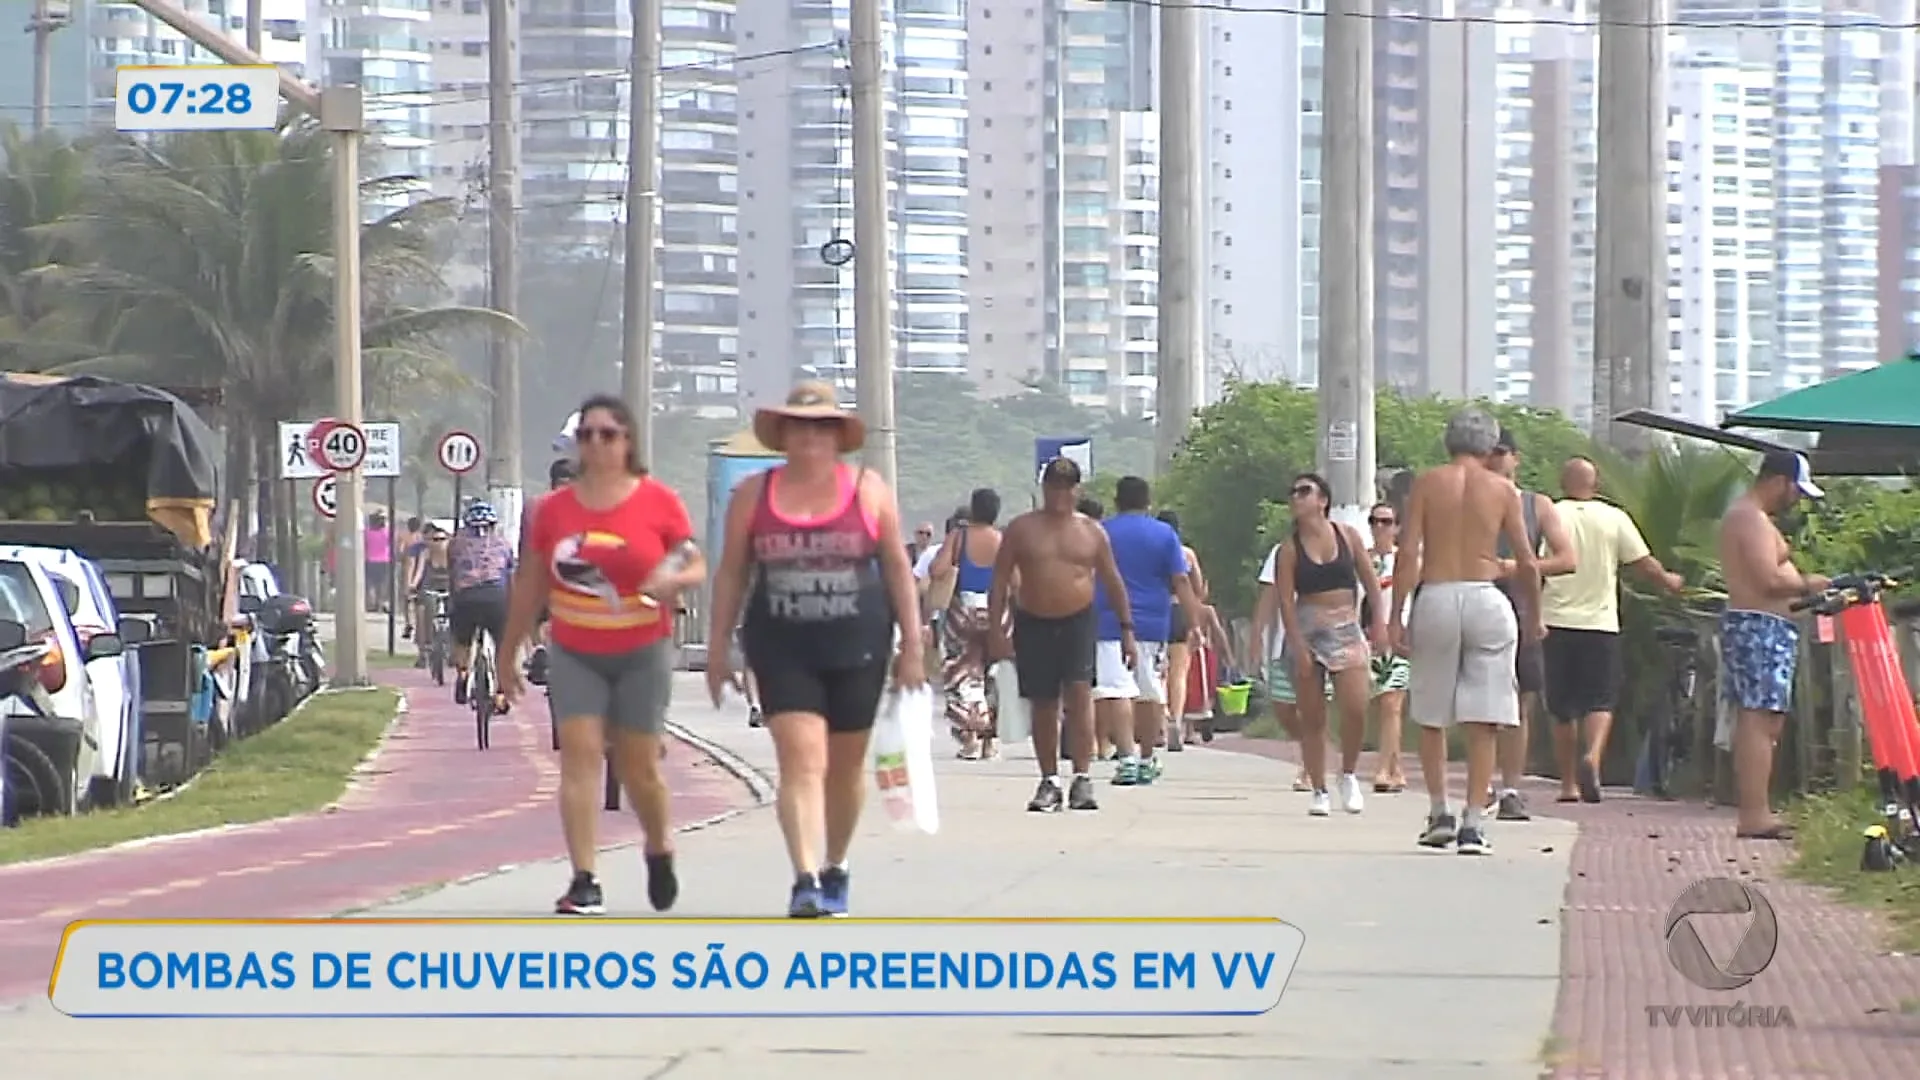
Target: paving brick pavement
[
  {"x": 428, "y": 808},
  {"x": 1854, "y": 1004}
]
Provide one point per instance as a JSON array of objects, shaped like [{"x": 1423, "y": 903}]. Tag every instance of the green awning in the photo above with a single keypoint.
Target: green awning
[{"x": 1886, "y": 397}]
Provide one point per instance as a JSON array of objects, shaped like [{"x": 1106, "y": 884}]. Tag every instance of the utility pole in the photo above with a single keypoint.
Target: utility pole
[
  {"x": 253, "y": 25},
  {"x": 643, "y": 156},
  {"x": 1346, "y": 456},
  {"x": 872, "y": 292},
  {"x": 44, "y": 22},
  {"x": 339, "y": 110},
  {"x": 1630, "y": 221},
  {"x": 1180, "y": 346},
  {"x": 503, "y": 254},
  {"x": 1550, "y": 111}
]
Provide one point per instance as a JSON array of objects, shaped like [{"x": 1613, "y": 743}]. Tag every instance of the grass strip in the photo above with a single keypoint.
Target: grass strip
[
  {"x": 294, "y": 767},
  {"x": 1830, "y": 839}
]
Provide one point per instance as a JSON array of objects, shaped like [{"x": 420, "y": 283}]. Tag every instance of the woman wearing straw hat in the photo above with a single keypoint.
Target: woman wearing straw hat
[{"x": 833, "y": 585}]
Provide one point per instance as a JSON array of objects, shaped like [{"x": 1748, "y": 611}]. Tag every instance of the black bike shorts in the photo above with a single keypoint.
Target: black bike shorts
[
  {"x": 484, "y": 606},
  {"x": 848, "y": 698}
]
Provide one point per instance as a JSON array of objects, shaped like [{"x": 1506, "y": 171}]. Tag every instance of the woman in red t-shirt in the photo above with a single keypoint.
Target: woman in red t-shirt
[{"x": 606, "y": 555}]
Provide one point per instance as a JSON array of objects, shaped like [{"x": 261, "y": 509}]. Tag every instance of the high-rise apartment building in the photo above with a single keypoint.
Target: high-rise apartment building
[
  {"x": 1263, "y": 198},
  {"x": 1547, "y": 169},
  {"x": 1109, "y": 247},
  {"x": 382, "y": 46},
  {"x": 1825, "y": 161},
  {"x": 1013, "y": 173},
  {"x": 1898, "y": 201},
  {"x": 796, "y": 195},
  {"x": 930, "y": 194},
  {"x": 698, "y": 310},
  {"x": 1434, "y": 127},
  {"x": 574, "y": 158},
  {"x": 1720, "y": 229}
]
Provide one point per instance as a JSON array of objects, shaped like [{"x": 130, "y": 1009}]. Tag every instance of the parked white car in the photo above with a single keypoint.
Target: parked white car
[
  {"x": 116, "y": 679},
  {"x": 63, "y": 755}
]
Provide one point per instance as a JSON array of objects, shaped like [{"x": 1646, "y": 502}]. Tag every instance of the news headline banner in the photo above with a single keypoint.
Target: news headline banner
[{"x": 673, "y": 967}]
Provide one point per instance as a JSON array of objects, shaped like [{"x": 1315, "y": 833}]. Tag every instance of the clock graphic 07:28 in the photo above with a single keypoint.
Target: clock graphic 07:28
[{"x": 197, "y": 97}]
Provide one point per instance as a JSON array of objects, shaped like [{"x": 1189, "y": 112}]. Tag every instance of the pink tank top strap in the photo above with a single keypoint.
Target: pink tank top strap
[{"x": 848, "y": 484}]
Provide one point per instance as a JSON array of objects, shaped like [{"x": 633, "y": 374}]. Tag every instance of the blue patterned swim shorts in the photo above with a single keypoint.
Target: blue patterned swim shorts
[{"x": 1758, "y": 653}]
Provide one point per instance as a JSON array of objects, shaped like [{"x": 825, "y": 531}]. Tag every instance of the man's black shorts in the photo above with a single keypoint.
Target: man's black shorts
[
  {"x": 480, "y": 606},
  {"x": 1050, "y": 655},
  {"x": 1583, "y": 671}
]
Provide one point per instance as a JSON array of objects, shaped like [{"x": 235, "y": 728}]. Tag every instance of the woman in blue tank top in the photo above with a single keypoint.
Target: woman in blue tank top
[{"x": 967, "y": 560}]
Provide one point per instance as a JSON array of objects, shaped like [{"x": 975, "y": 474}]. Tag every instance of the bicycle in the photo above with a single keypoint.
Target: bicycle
[
  {"x": 1668, "y": 741},
  {"x": 440, "y": 635},
  {"x": 480, "y": 687}
]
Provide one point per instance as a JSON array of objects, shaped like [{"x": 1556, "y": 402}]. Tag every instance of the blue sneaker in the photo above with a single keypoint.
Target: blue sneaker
[
  {"x": 1127, "y": 773},
  {"x": 806, "y": 901},
  {"x": 834, "y": 883}
]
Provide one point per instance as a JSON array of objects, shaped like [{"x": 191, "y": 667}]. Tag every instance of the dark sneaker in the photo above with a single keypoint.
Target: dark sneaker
[
  {"x": 834, "y": 886},
  {"x": 583, "y": 897},
  {"x": 806, "y": 902},
  {"x": 754, "y": 718},
  {"x": 1046, "y": 798},
  {"x": 1441, "y": 829},
  {"x": 1513, "y": 808},
  {"x": 1080, "y": 795},
  {"x": 1471, "y": 842},
  {"x": 663, "y": 885},
  {"x": 459, "y": 687}
]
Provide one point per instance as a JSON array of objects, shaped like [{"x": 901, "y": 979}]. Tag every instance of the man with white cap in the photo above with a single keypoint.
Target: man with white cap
[{"x": 1759, "y": 642}]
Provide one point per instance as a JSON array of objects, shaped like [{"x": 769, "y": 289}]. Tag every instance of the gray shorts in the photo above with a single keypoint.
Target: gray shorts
[
  {"x": 628, "y": 690},
  {"x": 1463, "y": 640}
]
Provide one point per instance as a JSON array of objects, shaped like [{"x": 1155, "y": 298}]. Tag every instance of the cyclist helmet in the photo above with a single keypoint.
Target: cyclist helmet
[{"x": 481, "y": 516}]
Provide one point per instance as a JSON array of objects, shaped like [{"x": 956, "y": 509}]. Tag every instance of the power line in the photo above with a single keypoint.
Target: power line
[{"x": 1526, "y": 18}]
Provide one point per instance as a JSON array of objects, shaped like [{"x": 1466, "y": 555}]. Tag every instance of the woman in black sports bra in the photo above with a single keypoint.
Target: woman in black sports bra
[{"x": 1322, "y": 578}]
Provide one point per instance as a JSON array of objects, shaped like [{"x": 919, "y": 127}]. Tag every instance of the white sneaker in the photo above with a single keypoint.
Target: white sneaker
[
  {"x": 1321, "y": 806},
  {"x": 1350, "y": 798}
]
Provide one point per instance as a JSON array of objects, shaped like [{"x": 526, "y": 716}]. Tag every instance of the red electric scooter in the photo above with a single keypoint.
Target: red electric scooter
[{"x": 1886, "y": 707}]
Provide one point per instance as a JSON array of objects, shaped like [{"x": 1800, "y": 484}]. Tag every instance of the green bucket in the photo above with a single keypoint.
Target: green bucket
[{"x": 1233, "y": 698}]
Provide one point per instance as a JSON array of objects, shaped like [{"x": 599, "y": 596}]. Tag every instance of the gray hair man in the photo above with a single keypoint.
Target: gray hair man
[{"x": 1462, "y": 635}]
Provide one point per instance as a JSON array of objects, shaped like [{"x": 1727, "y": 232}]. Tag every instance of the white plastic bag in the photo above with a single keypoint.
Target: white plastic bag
[
  {"x": 1015, "y": 718},
  {"x": 903, "y": 760}
]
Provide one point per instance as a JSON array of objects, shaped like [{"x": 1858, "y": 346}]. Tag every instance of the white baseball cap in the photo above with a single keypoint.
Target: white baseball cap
[{"x": 1792, "y": 464}]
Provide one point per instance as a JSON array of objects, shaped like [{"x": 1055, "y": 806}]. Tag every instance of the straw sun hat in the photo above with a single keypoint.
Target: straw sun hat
[{"x": 812, "y": 400}]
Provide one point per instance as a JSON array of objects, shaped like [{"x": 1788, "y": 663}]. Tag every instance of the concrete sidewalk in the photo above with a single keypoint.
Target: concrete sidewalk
[{"x": 1423, "y": 964}]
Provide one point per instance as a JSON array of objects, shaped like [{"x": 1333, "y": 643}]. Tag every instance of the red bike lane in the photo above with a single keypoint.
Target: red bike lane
[{"x": 429, "y": 808}]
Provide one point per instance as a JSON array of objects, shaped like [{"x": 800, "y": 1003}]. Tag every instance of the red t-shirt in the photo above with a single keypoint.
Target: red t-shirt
[{"x": 597, "y": 560}]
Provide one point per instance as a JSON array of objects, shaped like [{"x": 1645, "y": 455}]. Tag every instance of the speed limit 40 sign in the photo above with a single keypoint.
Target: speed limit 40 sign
[
  {"x": 459, "y": 452},
  {"x": 338, "y": 445}
]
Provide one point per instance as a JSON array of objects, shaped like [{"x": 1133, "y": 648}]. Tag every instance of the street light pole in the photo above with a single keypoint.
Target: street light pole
[
  {"x": 643, "y": 144},
  {"x": 1346, "y": 455},
  {"x": 872, "y": 290},
  {"x": 339, "y": 110}
]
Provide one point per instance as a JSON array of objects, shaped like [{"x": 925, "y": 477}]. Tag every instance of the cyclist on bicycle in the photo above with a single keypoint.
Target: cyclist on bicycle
[
  {"x": 483, "y": 563},
  {"x": 431, "y": 572}
]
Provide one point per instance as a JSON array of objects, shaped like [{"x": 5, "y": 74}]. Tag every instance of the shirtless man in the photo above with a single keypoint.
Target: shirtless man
[
  {"x": 1048, "y": 558},
  {"x": 1462, "y": 634},
  {"x": 1759, "y": 642}
]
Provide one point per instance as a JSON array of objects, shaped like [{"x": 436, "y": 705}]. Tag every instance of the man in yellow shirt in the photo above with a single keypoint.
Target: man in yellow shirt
[{"x": 1582, "y": 611}]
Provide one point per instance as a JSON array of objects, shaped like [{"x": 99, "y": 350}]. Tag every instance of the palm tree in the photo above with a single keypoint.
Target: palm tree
[
  {"x": 43, "y": 180},
  {"x": 204, "y": 259}
]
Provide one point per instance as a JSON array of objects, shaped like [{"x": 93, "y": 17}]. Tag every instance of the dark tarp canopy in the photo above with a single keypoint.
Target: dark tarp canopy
[{"x": 48, "y": 422}]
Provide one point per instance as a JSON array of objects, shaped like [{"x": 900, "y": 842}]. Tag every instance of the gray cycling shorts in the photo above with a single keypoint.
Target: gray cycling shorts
[{"x": 629, "y": 690}]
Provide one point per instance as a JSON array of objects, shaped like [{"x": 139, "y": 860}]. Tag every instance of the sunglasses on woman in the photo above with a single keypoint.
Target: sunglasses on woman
[
  {"x": 1381, "y": 522},
  {"x": 1305, "y": 490}
]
